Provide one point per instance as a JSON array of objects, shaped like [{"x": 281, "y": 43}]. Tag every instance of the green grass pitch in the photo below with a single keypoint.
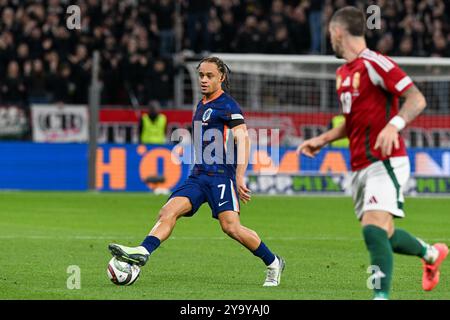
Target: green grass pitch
[{"x": 43, "y": 233}]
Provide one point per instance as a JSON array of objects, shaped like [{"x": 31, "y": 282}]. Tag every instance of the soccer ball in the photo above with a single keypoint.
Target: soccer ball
[{"x": 122, "y": 273}]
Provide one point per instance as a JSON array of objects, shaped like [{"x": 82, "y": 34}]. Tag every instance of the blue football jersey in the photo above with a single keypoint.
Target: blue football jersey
[{"x": 215, "y": 151}]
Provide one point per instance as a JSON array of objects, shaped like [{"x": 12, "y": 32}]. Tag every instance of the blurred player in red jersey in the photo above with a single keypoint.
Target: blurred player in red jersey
[{"x": 369, "y": 86}]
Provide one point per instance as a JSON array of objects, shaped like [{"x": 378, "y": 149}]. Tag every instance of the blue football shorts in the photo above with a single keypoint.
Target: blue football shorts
[{"x": 218, "y": 191}]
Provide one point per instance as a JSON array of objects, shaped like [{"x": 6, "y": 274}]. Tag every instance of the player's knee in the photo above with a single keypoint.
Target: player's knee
[
  {"x": 383, "y": 220},
  {"x": 165, "y": 214},
  {"x": 231, "y": 229}
]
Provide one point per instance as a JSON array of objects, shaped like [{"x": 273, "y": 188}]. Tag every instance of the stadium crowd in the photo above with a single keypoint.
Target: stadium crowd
[{"x": 41, "y": 60}]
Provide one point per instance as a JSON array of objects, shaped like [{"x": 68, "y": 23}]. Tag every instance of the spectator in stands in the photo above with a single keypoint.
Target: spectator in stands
[
  {"x": 8, "y": 22},
  {"x": 386, "y": 44},
  {"x": 165, "y": 17},
  {"x": 265, "y": 33},
  {"x": 13, "y": 88},
  {"x": 159, "y": 83},
  {"x": 228, "y": 30},
  {"x": 132, "y": 34},
  {"x": 133, "y": 66},
  {"x": 37, "y": 83},
  {"x": 277, "y": 20},
  {"x": 113, "y": 90},
  {"x": 216, "y": 40},
  {"x": 62, "y": 41},
  {"x": 406, "y": 47},
  {"x": 282, "y": 43},
  {"x": 248, "y": 39},
  {"x": 277, "y": 7},
  {"x": 22, "y": 53},
  {"x": 390, "y": 14},
  {"x": 299, "y": 29},
  {"x": 80, "y": 65},
  {"x": 51, "y": 60},
  {"x": 440, "y": 47},
  {"x": 197, "y": 24},
  {"x": 34, "y": 41},
  {"x": 441, "y": 88},
  {"x": 63, "y": 86},
  {"x": 315, "y": 24},
  {"x": 7, "y": 52}
]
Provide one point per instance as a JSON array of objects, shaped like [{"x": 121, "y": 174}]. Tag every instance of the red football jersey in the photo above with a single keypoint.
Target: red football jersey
[{"x": 368, "y": 89}]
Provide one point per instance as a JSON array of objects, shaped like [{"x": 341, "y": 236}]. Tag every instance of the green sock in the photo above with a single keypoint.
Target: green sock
[
  {"x": 404, "y": 243},
  {"x": 381, "y": 256}
]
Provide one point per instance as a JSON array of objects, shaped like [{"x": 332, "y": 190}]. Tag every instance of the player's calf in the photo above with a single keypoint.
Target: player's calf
[
  {"x": 381, "y": 256},
  {"x": 230, "y": 223}
]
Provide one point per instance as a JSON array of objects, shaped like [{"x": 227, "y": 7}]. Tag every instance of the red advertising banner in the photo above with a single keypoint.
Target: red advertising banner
[{"x": 425, "y": 131}]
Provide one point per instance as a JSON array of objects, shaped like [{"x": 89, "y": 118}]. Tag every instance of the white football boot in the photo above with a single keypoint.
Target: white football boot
[{"x": 273, "y": 277}]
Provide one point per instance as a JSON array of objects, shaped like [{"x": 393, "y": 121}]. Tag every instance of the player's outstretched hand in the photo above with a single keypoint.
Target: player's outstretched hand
[
  {"x": 387, "y": 139},
  {"x": 311, "y": 147},
  {"x": 244, "y": 192}
]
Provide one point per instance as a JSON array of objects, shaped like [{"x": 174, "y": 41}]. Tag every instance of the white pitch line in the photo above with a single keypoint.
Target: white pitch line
[{"x": 43, "y": 237}]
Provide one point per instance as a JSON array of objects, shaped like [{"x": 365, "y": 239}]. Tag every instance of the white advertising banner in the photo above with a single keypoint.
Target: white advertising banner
[
  {"x": 13, "y": 122},
  {"x": 59, "y": 123}
]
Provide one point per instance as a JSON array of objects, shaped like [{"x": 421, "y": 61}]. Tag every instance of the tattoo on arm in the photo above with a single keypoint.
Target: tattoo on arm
[{"x": 413, "y": 105}]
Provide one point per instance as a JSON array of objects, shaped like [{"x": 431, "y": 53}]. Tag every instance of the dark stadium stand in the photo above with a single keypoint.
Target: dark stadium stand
[{"x": 42, "y": 61}]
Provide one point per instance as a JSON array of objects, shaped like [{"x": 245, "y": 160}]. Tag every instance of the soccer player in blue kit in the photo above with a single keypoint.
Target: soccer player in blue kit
[{"x": 217, "y": 177}]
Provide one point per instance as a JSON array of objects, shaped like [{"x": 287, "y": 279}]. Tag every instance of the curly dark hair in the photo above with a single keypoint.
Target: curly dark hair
[{"x": 222, "y": 66}]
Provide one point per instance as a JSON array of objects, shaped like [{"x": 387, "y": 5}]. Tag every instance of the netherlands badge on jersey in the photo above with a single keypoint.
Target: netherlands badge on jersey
[{"x": 207, "y": 114}]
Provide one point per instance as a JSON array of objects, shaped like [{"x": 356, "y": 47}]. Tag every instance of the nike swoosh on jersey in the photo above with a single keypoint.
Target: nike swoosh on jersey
[{"x": 222, "y": 203}]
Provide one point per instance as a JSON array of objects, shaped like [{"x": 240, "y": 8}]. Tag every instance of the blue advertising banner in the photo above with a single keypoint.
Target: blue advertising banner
[
  {"x": 32, "y": 166},
  {"x": 46, "y": 166}
]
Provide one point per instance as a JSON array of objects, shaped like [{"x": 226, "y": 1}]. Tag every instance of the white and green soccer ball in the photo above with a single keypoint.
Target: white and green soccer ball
[{"x": 122, "y": 273}]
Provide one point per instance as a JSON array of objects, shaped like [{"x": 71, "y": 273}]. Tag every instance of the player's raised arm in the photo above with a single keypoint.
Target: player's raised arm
[
  {"x": 243, "y": 154},
  {"x": 312, "y": 146},
  {"x": 414, "y": 104}
]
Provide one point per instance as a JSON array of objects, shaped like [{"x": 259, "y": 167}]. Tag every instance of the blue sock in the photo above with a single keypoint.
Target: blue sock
[
  {"x": 151, "y": 243},
  {"x": 264, "y": 253}
]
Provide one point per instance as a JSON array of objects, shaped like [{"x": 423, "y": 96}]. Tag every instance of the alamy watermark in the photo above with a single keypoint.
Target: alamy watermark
[
  {"x": 374, "y": 280},
  {"x": 73, "y": 21},
  {"x": 373, "y": 17},
  {"x": 74, "y": 279},
  {"x": 214, "y": 146},
  {"x": 373, "y": 12}
]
